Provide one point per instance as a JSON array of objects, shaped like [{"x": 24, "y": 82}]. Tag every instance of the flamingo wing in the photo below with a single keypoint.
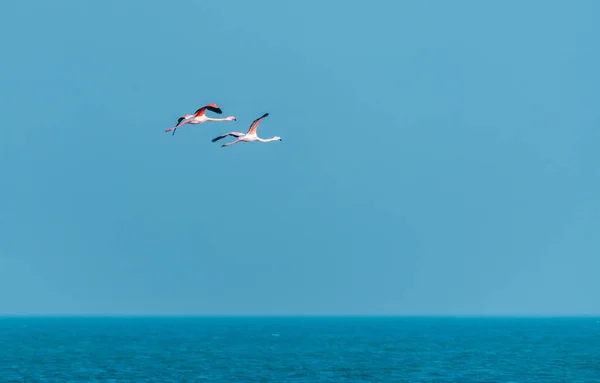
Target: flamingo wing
[
  {"x": 255, "y": 124},
  {"x": 212, "y": 107},
  {"x": 233, "y": 134}
]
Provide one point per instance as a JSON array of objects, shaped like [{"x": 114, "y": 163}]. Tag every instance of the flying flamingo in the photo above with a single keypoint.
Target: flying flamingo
[
  {"x": 198, "y": 117},
  {"x": 249, "y": 136}
]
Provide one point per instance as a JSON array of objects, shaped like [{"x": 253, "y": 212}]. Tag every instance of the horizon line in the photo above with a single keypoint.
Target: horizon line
[{"x": 399, "y": 316}]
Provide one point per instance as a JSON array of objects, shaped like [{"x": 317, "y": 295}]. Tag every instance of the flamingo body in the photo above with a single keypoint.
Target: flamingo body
[
  {"x": 249, "y": 136},
  {"x": 200, "y": 117}
]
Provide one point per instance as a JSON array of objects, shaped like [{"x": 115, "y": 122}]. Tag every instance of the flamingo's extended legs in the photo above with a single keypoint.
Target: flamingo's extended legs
[
  {"x": 172, "y": 129},
  {"x": 231, "y": 143},
  {"x": 176, "y": 127}
]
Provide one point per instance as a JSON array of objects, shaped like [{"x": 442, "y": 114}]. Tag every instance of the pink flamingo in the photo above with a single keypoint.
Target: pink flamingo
[
  {"x": 199, "y": 117},
  {"x": 249, "y": 136}
]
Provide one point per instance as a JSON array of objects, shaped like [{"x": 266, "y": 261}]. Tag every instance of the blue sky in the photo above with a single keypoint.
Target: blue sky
[{"x": 437, "y": 158}]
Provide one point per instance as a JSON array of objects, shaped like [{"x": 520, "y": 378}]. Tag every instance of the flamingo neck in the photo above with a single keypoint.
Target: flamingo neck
[
  {"x": 218, "y": 119},
  {"x": 266, "y": 139}
]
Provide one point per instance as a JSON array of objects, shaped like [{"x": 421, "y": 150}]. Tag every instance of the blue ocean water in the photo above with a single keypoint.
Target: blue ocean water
[{"x": 459, "y": 350}]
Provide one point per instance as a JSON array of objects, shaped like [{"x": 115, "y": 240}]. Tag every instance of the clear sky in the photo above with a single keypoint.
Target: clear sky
[{"x": 437, "y": 157}]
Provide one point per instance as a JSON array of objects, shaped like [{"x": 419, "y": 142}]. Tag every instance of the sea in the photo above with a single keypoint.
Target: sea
[{"x": 298, "y": 349}]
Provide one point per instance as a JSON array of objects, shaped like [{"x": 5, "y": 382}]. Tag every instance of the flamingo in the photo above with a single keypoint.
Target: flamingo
[
  {"x": 249, "y": 136},
  {"x": 199, "y": 117}
]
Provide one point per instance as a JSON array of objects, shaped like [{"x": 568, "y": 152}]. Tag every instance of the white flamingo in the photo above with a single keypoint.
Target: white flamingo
[
  {"x": 199, "y": 117},
  {"x": 249, "y": 136}
]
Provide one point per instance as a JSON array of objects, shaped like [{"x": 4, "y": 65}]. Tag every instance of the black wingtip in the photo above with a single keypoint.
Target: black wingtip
[{"x": 213, "y": 109}]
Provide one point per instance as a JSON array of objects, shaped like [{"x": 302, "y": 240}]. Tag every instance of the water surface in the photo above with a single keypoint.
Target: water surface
[{"x": 124, "y": 350}]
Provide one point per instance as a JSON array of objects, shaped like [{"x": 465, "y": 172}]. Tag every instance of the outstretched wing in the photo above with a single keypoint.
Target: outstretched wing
[
  {"x": 234, "y": 134},
  {"x": 255, "y": 124},
  {"x": 212, "y": 107}
]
